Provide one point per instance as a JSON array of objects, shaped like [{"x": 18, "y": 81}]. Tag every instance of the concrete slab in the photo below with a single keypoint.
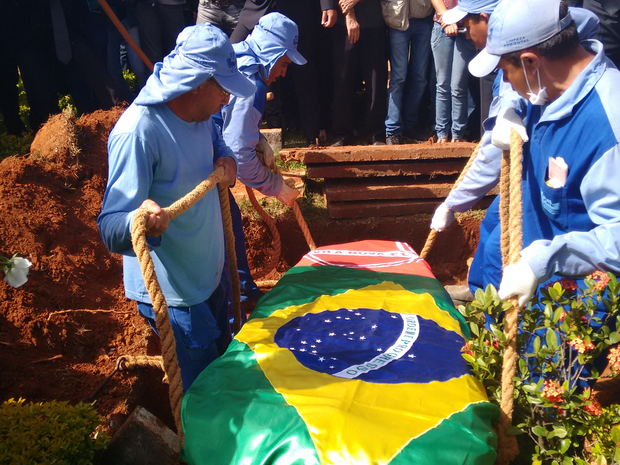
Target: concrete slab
[
  {"x": 142, "y": 440},
  {"x": 372, "y": 208},
  {"x": 403, "y": 189},
  {"x": 357, "y": 153},
  {"x": 274, "y": 137},
  {"x": 389, "y": 168}
]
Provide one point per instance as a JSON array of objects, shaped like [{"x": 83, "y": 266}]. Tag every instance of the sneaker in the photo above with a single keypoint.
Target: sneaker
[
  {"x": 393, "y": 139},
  {"x": 416, "y": 136},
  {"x": 378, "y": 142},
  {"x": 339, "y": 142}
]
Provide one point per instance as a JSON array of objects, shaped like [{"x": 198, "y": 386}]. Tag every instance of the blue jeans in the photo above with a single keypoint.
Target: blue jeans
[
  {"x": 408, "y": 77},
  {"x": 451, "y": 55},
  {"x": 199, "y": 332}
]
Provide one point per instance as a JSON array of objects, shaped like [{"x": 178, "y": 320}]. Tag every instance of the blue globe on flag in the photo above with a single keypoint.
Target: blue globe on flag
[{"x": 375, "y": 346}]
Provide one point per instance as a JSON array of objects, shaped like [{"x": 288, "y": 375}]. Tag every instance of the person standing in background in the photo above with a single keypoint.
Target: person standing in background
[
  {"x": 159, "y": 24},
  {"x": 358, "y": 38},
  {"x": 451, "y": 52},
  {"x": 221, "y": 13},
  {"x": 410, "y": 23},
  {"x": 608, "y": 12}
]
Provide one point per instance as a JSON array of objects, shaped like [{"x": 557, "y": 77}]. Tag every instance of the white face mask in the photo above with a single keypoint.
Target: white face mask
[{"x": 539, "y": 98}]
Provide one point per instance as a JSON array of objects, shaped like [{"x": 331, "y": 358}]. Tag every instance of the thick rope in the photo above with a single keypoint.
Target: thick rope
[
  {"x": 129, "y": 362},
  {"x": 511, "y": 219},
  {"x": 300, "y": 219},
  {"x": 304, "y": 226},
  {"x": 504, "y": 205},
  {"x": 162, "y": 321},
  {"x": 430, "y": 240},
  {"x": 277, "y": 244},
  {"x": 232, "y": 257}
]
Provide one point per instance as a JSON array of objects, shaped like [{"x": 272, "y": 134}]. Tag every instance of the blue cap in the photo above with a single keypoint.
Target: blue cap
[
  {"x": 202, "y": 52},
  {"x": 278, "y": 31},
  {"x": 515, "y": 26},
  {"x": 465, "y": 7}
]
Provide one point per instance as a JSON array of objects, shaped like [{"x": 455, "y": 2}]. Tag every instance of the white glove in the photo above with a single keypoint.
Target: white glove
[
  {"x": 442, "y": 218},
  {"x": 287, "y": 195},
  {"x": 506, "y": 120},
  {"x": 265, "y": 153},
  {"x": 518, "y": 280}
]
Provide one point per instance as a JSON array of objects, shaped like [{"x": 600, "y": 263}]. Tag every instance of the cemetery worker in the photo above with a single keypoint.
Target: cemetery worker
[
  {"x": 161, "y": 148},
  {"x": 262, "y": 57},
  {"x": 571, "y": 218},
  {"x": 507, "y": 109}
]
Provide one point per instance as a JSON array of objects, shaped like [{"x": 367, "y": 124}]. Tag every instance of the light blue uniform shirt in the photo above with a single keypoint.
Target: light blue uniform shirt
[
  {"x": 154, "y": 154},
  {"x": 241, "y": 117},
  {"x": 483, "y": 174},
  {"x": 575, "y": 230}
]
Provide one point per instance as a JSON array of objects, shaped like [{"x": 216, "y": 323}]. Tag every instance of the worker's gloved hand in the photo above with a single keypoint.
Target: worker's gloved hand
[
  {"x": 506, "y": 120},
  {"x": 519, "y": 281},
  {"x": 287, "y": 195},
  {"x": 265, "y": 154},
  {"x": 442, "y": 218}
]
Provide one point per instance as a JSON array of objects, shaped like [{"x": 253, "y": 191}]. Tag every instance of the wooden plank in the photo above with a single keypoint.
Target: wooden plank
[
  {"x": 380, "y": 153},
  {"x": 394, "y": 168},
  {"x": 389, "y": 208},
  {"x": 341, "y": 192}
]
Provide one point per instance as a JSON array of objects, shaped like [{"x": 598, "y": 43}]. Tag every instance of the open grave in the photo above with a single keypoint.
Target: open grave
[{"x": 62, "y": 332}]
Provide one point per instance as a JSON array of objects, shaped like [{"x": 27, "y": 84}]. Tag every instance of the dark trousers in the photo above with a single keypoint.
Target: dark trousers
[
  {"x": 158, "y": 27},
  {"x": 369, "y": 51},
  {"x": 313, "y": 81}
]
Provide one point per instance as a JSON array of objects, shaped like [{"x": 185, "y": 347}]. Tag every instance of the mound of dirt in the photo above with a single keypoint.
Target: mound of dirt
[{"x": 62, "y": 331}]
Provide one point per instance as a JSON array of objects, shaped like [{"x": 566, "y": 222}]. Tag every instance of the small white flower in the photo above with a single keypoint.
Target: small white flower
[{"x": 17, "y": 269}]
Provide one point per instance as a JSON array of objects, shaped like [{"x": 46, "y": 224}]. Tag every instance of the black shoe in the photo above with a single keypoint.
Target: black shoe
[
  {"x": 393, "y": 139},
  {"x": 416, "y": 136}
]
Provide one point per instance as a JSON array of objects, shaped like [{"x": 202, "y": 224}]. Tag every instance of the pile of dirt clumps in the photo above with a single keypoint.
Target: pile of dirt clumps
[{"x": 62, "y": 331}]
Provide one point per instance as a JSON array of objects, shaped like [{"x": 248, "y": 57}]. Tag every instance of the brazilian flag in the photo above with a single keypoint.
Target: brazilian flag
[{"x": 353, "y": 358}]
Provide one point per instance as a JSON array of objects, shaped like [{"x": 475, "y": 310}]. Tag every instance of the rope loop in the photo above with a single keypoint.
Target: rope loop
[{"x": 162, "y": 320}]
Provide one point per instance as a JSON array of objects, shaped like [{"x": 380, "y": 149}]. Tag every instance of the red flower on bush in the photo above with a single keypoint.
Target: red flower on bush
[
  {"x": 466, "y": 349},
  {"x": 569, "y": 285},
  {"x": 581, "y": 346},
  {"x": 552, "y": 392},
  {"x": 614, "y": 358},
  {"x": 601, "y": 280},
  {"x": 594, "y": 408}
]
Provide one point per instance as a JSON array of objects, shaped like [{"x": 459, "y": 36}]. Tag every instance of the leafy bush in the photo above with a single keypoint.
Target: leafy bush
[
  {"x": 48, "y": 432},
  {"x": 564, "y": 422},
  {"x": 12, "y": 146}
]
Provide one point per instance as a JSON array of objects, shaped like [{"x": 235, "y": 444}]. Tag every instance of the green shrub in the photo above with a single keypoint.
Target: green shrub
[
  {"x": 48, "y": 432},
  {"x": 12, "y": 146},
  {"x": 558, "y": 421}
]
